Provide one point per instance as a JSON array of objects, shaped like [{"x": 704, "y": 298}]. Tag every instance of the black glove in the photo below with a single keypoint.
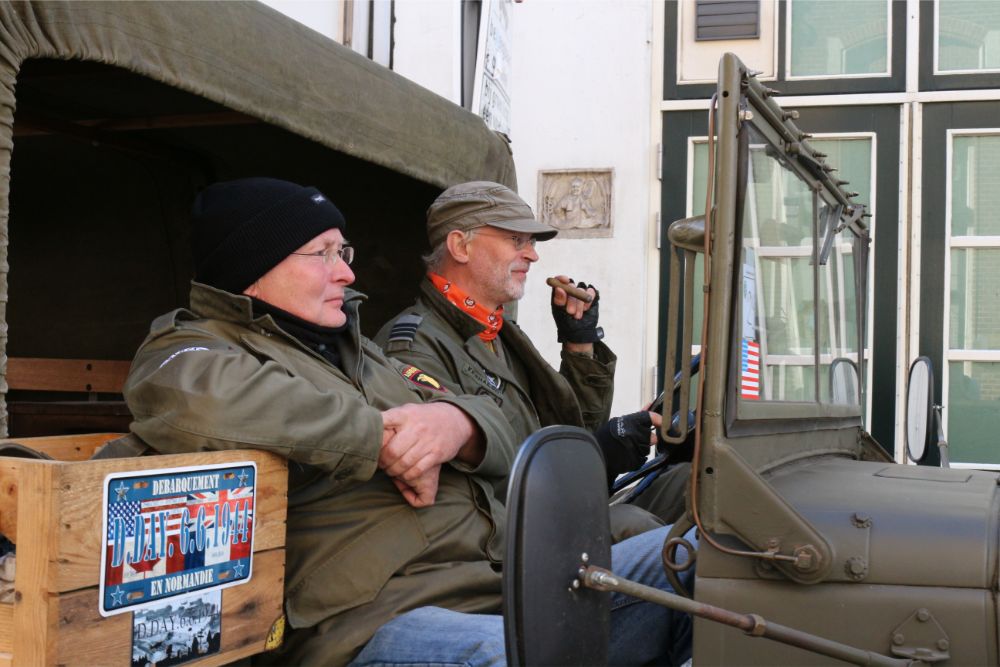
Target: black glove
[
  {"x": 583, "y": 330},
  {"x": 625, "y": 443}
]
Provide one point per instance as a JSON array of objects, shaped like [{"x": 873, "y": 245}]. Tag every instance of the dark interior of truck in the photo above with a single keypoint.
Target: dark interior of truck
[{"x": 104, "y": 166}]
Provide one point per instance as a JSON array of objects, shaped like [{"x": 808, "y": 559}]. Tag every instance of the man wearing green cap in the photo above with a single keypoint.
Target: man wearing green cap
[
  {"x": 394, "y": 535},
  {"x": 482, "y": 238}
]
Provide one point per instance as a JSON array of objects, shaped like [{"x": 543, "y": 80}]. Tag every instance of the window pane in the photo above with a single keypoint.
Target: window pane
[
  {"x": 788, "y": 335},
  {"x": 975, "y": 299},
  {"x": 832, "y": 37},
  {"x": 838, "y": 298},
  {"x": 973, "y": 414},
  {"x": 853, "y": 159},
  {"x": 838, "y": 322},
  {"x": 975, "y": 197},
  {"x": 777, "y": 305},
  {"x": 968, "y": 34}
]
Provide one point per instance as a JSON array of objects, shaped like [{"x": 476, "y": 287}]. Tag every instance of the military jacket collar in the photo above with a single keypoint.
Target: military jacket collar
[
  {"x": 214, "y": 303},
  {"x": 468, "y": 329}
]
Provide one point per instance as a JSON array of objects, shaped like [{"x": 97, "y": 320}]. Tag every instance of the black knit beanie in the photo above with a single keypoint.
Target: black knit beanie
[{"x": 242, "y": 229}]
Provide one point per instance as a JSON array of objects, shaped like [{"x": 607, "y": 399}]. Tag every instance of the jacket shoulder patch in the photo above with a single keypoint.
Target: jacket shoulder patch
[
  {"x": 418, "y": 377},
  {"x": 405, "y": 328}
]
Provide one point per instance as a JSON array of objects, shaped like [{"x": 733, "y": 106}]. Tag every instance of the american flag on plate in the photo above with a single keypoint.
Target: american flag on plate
[
  {"x": 750, "y": 370},
  {"x": 169, "y": 532}
]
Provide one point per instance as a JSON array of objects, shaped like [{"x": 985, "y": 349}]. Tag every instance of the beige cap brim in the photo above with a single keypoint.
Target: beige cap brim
[{"x": 528, "y": 226}]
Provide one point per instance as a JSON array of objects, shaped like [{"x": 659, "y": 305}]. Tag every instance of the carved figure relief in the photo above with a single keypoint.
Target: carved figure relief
[{"x": 577, "y": 202}]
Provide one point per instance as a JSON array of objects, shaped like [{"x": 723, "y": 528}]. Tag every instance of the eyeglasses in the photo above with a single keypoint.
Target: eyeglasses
[
  {"x": 520, "y": 240},
  {"x": 331, "y": 254}
]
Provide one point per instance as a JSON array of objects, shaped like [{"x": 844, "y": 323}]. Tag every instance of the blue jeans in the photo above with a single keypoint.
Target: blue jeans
[{"x": 641, "y": 632}]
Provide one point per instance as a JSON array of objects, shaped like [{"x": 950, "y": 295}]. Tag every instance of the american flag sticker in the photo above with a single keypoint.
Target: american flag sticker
[
  {"x": 170, "y": 532},
  {"x": 750, "y": 370}
]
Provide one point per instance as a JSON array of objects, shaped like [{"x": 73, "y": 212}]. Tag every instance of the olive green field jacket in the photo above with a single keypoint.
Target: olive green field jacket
[
  {"x": 215, "y": 377},
  {"x": 530, "y": 392}
]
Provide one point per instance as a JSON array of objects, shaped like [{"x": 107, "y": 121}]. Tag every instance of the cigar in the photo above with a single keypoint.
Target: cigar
[{"x": 571, "y": 289}]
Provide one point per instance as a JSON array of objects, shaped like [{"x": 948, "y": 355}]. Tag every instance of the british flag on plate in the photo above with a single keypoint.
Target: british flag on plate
[
  {"x": 172, "y": 531},
  {"x": 750, "y": 370}
]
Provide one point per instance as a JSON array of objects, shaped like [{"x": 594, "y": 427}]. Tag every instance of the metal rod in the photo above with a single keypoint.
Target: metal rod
[{"x": 752, "y": 624}]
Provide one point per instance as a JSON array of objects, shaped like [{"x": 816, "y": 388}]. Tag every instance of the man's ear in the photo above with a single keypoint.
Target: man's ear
[
  {"x": 458, "y": 247},
  {"x": 253, "y": 290}
]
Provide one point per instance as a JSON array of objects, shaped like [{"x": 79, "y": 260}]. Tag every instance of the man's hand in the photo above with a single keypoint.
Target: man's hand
[
  {"x": 576, "y": 320},
  {"x": 418, "y": 438},
  {"x": 625, "y": 441},
  {"x": 422, "y": 491}
]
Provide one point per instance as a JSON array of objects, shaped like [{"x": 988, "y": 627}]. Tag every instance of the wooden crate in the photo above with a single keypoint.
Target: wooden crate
[{"x": 52, "y": 511}]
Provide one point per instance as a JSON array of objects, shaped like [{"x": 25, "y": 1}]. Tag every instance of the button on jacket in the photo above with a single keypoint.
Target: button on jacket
[{"x": 216, "y": 377}]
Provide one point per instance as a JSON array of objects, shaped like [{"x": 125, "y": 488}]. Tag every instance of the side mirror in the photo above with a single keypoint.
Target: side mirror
[
  {"x": 557, "y": 511},
  {"x": 919, "y": 409},
  {"x": 844, "y": 381}
]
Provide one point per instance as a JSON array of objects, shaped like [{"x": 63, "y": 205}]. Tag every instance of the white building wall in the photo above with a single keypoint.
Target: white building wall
[
  {"x": 581, "y": 99},
  {"x": 428, "y": 36}
]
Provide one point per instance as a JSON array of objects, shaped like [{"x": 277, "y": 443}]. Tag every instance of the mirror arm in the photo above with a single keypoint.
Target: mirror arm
[{"x": 942, "y": 443}]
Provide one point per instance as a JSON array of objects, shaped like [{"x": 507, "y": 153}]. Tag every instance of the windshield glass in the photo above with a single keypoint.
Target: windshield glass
[{"x": 798, "y": 330}]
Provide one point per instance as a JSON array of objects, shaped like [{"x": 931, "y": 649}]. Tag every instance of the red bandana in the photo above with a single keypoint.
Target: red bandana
[{"x": 491, "y": 320}]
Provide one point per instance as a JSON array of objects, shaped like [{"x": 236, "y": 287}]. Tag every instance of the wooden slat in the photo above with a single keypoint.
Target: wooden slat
[
  {"x": 250, "y": 610},
  {"x": 86, "y": 638},
  {"x": 66, "y": 447},
  {"x": 83, "y": 375},
  {"x": 79, "y": 518},
  {"x": 79, "y": 527},
  {"x": 70, "y": 447},
  {"x": 36, "y": 617},
  {"x": 6, "y": 628}
]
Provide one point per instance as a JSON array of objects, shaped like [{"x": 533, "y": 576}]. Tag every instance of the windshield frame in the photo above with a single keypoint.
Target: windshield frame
[{"x": 753, "y": 417}]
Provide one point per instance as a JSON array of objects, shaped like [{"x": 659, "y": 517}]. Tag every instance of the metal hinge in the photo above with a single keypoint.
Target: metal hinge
[
  {"x": 921, "y": 637},
  {"x": 659, "y": 231},
  {"x": 659, "y": 162}
]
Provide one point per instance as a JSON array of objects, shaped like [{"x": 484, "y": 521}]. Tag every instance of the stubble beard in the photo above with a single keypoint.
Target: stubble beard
[
  {"x": 504, "y": 287},
  {"x": 514, "y": 287}
]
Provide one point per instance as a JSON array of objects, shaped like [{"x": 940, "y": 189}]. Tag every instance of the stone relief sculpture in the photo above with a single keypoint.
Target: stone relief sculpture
[{"x": 576, "y": 201}]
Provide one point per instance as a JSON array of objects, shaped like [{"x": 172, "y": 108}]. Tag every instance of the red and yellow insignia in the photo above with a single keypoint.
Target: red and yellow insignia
[{"x": 417, "y": 376}]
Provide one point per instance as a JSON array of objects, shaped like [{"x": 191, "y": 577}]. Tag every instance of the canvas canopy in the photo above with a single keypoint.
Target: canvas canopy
[
  {"x": 114, "y": 114},
  {"x": 250, "y": 58}
]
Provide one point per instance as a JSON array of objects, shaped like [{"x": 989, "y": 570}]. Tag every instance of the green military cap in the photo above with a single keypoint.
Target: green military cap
[{"x": 477, "y": 204}]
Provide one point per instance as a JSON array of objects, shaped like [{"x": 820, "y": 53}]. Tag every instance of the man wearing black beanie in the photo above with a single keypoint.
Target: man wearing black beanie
[{"x": 393, "y": 529}]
